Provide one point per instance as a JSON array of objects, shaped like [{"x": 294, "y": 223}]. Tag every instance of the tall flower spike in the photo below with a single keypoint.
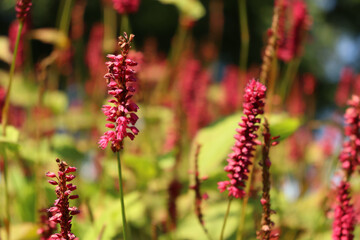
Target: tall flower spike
[
  {"x": 22, "y": 9},
  {"x": 246, "y": 140},
  {"x": 265, "y": 232},
  {"x": 344, "y": 215},
  {"x": 120, "y": 81},
  {"x": 350, "y": 154},
  {"x": 61, "y": 212}
]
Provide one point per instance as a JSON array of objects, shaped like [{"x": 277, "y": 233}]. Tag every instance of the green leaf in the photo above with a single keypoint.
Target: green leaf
[
  {"x": 217, "y": 139},
  {"x": 57, "y": 101},
  {"x": 282, "y": 125},
  {"x": 190, "y": 8},
  {"x": 11, "y": 139},
  {"x": 190, "y": 228}
]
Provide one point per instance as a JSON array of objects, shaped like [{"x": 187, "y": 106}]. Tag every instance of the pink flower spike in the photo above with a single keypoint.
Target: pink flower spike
[
  {"x": 245, "y": 141},
  {"x": 119, "y": 83}
]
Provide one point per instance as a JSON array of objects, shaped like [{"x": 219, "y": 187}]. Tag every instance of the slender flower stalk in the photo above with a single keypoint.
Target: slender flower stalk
[
  {"x": 61, "y": 211},
  {"x": 267, "y": 224},
  {"x": 22, "y": 9},
  {"x": 198, "y": 196},
  {"x": 121, "y": 115}
]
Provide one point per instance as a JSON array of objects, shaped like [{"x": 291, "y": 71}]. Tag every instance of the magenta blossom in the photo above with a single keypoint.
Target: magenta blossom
[
  {"x": 126, "y": 6},
  {"x": 121, "y": 114},
  {"x": 61, "y": 212},
  {"x": 344, "y": 215},
  {"x": 246, "y": 140},
  {"x": 350, "y": 154},
  {"x": 22, "y": 9}
]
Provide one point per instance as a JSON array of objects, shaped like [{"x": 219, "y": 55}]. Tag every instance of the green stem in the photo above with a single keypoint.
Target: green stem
[
  {"x": 225, "y": 219},
  {"x": 12, "y": 70},
  {"x": 124, "y": 224},
  {"x": 289, "y": 77},
  {"x": 6, "y": 188},
  {"x": 125, "y": 24},
  {"x": 244, "y": 204},
  {"x": 65, "y": 17},
  {"x": 109, "y": 31},
  {"x": 244, "y": 34}
]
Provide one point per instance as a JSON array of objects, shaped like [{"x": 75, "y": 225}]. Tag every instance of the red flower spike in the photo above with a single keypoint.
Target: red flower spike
[
  {"x": 22, "y": 9},
  {"x": 62, "y": 212},
  {"x": 121, "y": 114},
  {"x": 240, "y": 159},
  {"x": 344, "y": 215}
]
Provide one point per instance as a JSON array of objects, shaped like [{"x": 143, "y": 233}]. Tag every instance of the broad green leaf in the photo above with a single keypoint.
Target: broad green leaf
[
  {"x": 190, "y": 228},
  {"x": 191, "y": 8},
  {"x": 282, "y": 125},
  {"x": 217, "y": 139},
  {"x": 57, "y": 101},
  {"x": 11, "y": 139},
  {"x": 107, "y": 215},
  {"x": 22, "y": 231}
]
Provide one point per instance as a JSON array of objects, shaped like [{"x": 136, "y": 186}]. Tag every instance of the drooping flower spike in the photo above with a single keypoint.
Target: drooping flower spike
[
  {"x": 61, "y": 212},
  {"x": 120, "y": 83},
  {"x": 246, "y": 140}
]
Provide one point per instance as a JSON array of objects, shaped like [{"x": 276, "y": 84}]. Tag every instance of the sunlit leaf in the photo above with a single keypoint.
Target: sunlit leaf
[
  {"x": 55, "y": 100},
  {"x": 191, "y": 8}
]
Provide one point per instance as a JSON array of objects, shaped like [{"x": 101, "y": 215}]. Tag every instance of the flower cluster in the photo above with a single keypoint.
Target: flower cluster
[
  {"x": 61, "y": 211},
  {"x": 246, "y": 140},
  {"x": 22, "y": 9},
  {"x": 350, "y": 155},
  {"x": 344, "y": 215},
  {"x": 120, "y": 82},
  {"x": 126, "y": 6}
]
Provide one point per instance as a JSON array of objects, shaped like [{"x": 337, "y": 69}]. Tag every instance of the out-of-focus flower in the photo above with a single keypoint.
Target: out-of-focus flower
[
  {"x": 61, "y": 212},
  {"x": 350, "y": 155},
  {"x": 290, "y": 41},
  {"x": 94, "y": 60},
  {"x": 121, "y": 115},
  {"x": 231, "y": 84},
  {"x": 126, "y": 6},
  {"x": 47, "y": 227},
  {"x": 246, "y": 140},
  {"x": 194, "y": 83},
  {"x": 344, "y": 86}
]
